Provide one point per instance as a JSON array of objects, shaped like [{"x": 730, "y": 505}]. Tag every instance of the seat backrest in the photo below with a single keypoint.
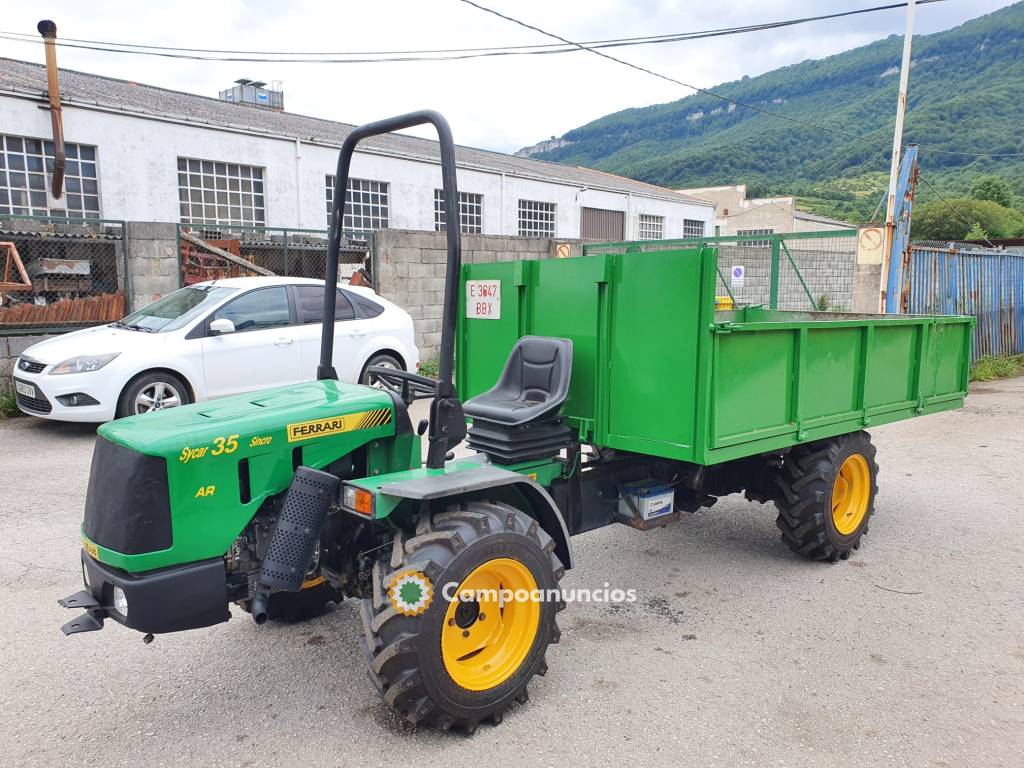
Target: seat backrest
[
  {"x": 533, "y": 384},
  {"x": 543, "y": 366}
]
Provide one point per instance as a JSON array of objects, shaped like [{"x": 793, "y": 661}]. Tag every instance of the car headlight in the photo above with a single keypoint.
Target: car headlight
[
  {"x": 83, "y": 364},
  {"x": 120, "y": 602}
]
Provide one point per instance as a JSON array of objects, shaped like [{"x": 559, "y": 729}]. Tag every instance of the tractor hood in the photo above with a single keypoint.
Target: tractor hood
[
  {"x": 197, "y": 474},
  {"x": 282, "y": 414}
]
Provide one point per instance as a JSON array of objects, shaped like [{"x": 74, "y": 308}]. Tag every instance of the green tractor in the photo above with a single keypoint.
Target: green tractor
[{"x": 606, "y": 389}]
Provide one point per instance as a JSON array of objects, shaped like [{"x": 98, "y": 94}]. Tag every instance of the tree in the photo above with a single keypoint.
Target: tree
[
  {"x": 935, "y": 220},
  {"x": 991, "y": 188}
]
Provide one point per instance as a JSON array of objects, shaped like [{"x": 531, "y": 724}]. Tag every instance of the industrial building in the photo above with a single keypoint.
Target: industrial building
[
  {"x": 141, "y": 153},
  {"x": 736, "y": 214}
]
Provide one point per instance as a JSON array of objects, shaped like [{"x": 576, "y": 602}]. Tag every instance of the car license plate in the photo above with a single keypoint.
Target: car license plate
[{"x": 24, "y": 389}]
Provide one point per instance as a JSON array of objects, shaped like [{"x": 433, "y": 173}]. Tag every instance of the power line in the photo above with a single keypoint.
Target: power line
[
  {"x": 708, "y": 92},
  {"x": 538, "y": 48},
  {"x": 964, "y": 219},
  {"x": 660, "y": 76}
]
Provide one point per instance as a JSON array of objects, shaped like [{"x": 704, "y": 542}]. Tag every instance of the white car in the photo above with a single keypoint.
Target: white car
[{"x": 222, "y": 337}]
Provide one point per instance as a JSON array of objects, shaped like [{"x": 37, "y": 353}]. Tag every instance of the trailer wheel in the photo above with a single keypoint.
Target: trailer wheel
[
  {"x": 455, "y": 663},
  {"x": 827, "y": 496}
]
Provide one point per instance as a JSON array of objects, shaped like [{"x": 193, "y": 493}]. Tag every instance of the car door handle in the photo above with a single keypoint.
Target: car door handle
[{"x": 282, "y": 341}]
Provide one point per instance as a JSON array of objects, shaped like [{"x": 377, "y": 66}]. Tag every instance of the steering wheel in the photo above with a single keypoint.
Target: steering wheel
[{"x": 409, "y": 386}]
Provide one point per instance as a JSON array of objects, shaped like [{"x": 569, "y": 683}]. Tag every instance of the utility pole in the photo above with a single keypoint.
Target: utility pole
[{"x": 894, "y": 167}]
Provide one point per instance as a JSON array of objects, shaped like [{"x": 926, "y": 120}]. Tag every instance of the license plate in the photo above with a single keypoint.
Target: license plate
[
  {"x": 24, "y": 389},
  {"x": 91, "y": 548}
]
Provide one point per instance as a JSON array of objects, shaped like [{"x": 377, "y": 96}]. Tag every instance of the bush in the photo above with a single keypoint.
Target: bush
[
  {"x": 8, "y": 407},
  {"x": 989, "y": 368},
  {"x": 934, "y": 220},
  {"x": 430, "y": 368}
]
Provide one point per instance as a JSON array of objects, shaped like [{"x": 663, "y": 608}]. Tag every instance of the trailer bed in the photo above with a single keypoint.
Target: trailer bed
[{"x": 657, "y": 371}]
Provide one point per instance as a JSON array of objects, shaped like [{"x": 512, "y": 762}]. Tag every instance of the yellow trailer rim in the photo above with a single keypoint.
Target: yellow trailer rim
[
  {"x": 486, "y": 636},
  {"x": 850, "y": 494}
]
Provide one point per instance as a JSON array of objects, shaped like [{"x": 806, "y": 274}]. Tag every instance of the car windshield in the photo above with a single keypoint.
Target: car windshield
[{"x": 176, "y": 309}]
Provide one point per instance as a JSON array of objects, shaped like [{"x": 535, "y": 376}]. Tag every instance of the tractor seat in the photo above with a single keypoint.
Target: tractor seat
[{"x": 533, "y": 384}]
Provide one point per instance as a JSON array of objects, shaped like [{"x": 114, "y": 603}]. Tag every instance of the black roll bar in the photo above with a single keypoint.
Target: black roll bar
[{"x": 447, "y": 422}]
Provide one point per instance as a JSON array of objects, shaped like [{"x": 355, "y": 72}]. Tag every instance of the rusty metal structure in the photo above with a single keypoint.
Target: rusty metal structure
[
  {"x": 49, "y": 32},
  {"x": 60, "y": 274},
  {"x": 956, "y": 278}
]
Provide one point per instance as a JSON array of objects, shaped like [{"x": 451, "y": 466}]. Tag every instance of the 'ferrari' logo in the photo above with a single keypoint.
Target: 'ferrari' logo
[{"x": 350, "y": 422}]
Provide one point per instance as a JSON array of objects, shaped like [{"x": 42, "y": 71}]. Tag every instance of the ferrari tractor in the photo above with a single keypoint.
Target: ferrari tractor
[{"x": 600, "y": 389}]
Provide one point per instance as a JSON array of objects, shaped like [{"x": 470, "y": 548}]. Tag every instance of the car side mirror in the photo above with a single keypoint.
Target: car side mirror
[{"x": 222, "y": 325}]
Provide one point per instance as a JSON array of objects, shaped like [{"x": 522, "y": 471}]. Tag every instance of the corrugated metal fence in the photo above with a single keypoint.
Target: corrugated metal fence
[{"x": 957, "y": 279}]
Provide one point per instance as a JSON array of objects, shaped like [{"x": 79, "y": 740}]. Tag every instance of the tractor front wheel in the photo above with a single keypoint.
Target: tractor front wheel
[
  {"x": 827, "y": 495},
  {"x": 455, "y": 631}
]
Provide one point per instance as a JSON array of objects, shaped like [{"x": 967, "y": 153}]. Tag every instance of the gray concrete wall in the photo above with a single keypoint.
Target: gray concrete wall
[
  {"x": 411, "y": 266},
  {"x": 865, "y": 287},
  {"x": 10, "y": 348},
  {"x": 152, "y": 261}
]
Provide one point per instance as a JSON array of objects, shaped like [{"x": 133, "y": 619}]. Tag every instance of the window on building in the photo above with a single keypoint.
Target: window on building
[
  {"x": 25, "y": 165},
  {"x": 471, "y": 212},
  {"x": 693, "y": 228},
  {"x": 650, "y": 227},
  {"x": 366, "y": 204},
  {"x": 754, "y": 243},
  {"x": 211, "y": 192},
  {"x": 536, "y": 219}
]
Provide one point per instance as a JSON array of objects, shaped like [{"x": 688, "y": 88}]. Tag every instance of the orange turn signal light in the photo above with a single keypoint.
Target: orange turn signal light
[{"x": 359, "y": 500}]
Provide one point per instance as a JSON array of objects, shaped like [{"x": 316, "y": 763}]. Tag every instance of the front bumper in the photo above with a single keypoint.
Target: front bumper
[
  {"x": 45, "y": 402},
  {"x": 168, "y": 600}
]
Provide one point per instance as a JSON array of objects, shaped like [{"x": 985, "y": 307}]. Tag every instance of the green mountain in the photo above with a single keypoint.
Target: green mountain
[{"x": 966, "y": 95}]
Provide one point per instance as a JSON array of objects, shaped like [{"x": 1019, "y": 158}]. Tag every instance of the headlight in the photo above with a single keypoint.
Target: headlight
[
  {"x": 83, "y": 364},
  {"x": 120, "y": 602}
]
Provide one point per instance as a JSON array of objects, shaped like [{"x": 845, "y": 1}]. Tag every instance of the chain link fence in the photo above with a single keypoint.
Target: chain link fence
[
  {"x": 209, "y": 252},
  {"x": 59, "y": 274},
  {"x": 794, "y": 271}
]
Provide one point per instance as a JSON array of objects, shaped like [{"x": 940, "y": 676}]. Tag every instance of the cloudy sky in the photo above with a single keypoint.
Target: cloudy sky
[{"x": 502, "y": 103}]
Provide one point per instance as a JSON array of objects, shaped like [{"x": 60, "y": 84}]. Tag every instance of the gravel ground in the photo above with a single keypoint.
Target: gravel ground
[{"x": 737, "y": 653}]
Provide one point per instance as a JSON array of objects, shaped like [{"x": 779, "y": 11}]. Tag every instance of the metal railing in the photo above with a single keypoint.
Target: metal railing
[
  {"x": 955, "y": 279},
  {"x": 786, "y": 270},
  {"x": 212, "y": 251},
  {"x": 74, "y": 273}
]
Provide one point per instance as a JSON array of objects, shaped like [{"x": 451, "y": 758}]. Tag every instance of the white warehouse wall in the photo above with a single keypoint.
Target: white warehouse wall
[{"x": 138, "y": 175}]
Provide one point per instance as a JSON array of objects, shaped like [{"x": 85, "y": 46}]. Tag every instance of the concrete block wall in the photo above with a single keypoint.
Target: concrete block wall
[
  {"x": 410, "y": 271},
  {"x": 10, "y": 348},
  {"x": 152, "y": 261}
]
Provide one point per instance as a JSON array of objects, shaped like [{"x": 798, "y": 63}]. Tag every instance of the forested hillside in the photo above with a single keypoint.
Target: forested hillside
[{"x": 966, "y": 95}]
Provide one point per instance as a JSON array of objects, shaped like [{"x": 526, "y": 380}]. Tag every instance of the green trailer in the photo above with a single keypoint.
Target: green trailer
[{"x": 597, "y": 390}]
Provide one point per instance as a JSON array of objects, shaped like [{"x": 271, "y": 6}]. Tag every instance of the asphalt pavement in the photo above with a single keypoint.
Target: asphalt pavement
[{"x": 736, "y": 652}]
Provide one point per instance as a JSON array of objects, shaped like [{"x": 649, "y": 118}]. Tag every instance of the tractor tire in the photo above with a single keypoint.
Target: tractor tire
[
  {"x": 455, "y": 664},
  {"x": 308, "y": 603},
  {"x": 826, "y": 496}
]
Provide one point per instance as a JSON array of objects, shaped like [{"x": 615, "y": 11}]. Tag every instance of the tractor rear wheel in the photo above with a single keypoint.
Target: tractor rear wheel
[
  {"x": 827, "y": 495},
  {"x": 445, "y": 644}
]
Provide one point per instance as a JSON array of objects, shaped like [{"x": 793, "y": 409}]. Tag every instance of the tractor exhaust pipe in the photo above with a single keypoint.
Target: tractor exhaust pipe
[
  {"x": 290, "y": 554},
  {"x": 447, "y": 421},
  {"x": 49, "y": 32}
]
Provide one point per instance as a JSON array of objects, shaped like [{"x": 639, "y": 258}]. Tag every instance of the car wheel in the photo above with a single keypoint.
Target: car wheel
[
  {"x": 382, "y": 360},
  {"x": 153, "y": 391}
]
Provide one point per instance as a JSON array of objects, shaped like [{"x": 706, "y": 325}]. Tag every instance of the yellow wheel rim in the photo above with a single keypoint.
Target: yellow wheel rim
[
  {"x": 485, "y": 638},
  {"x": 850, "y": 494}
]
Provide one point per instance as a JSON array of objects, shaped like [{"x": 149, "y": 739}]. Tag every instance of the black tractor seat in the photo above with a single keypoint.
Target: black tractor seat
[{"x": 520, "y": 417}]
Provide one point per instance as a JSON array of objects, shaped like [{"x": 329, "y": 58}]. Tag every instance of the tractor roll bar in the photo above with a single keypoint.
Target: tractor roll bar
[
  {"x": 447, "y": 423},
  {"x": 451, "y": 194}
]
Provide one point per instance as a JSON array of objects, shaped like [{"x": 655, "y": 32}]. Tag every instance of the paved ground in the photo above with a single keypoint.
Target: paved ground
[{"x": 911, "y": 654}]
